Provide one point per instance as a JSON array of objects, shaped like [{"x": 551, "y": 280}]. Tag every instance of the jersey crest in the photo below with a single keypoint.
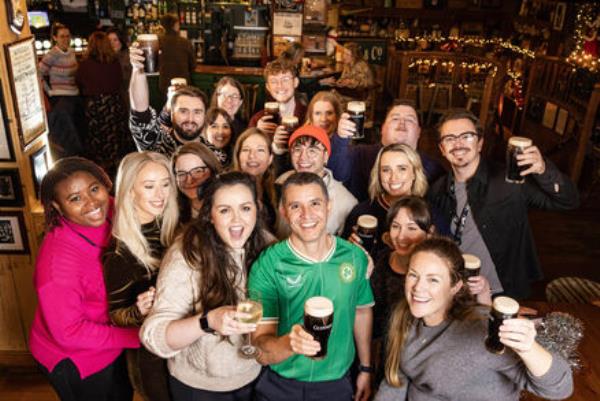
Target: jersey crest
[{"x": 347, "y": 272}]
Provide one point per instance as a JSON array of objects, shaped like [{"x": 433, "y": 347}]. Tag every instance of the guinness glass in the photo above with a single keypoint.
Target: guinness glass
[
  {"x": 318, "y": 321},
  {"x": 502, "y": 308},
  {"x": 272, "y": 108},
  {"x": 290, "y": 123},
  {"x": 516, "y": 146},
  {"x": 149, "y": 45},
  {"x": 356, "y": 110},
  {"x": 472, "y": 266},
  {"x": 366, "y": 229}
]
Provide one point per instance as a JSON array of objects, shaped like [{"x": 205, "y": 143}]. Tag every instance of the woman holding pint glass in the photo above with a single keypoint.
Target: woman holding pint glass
[
  {"x": 397, "y": 172},
  {"x": 194, "y": 323},
  {"x": 437, "y": 340}
]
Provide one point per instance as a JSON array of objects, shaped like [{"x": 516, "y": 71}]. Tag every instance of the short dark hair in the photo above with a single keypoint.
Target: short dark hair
[
  {"x": 168, "y": 22},
  {"x": 458, "y": 114},
  {"x": 56, "y": 27},
  {"x": 404, "y": 102},
  {"x": 190, "y": 91},
  {"x": 63, "y": 169},
  {"x": 303, "y": 179},
  {"x": 418, "y": 208}
]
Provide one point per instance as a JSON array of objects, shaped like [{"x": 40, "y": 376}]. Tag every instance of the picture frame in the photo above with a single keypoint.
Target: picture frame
[
  {"x": 287, "y": 24},
  {"x": 13, "y": 234},
  {"x": 560, "y": 13},
  {"x": 6, "y": 150},
  {"x": 11, "y": 194},
  {"x": 39, "y": 167},
  {"x": 26, "y": 90}
]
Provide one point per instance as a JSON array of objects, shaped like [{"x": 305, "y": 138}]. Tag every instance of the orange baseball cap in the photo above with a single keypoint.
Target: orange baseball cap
[{"x": 314, "y": 132}]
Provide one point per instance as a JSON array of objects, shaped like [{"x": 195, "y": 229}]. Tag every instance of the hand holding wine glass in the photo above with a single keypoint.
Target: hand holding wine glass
[{"x": 249, "y": 311}]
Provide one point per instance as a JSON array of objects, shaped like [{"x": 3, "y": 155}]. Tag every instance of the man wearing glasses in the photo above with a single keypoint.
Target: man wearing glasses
[
  {"x": 281, "y": 83},
  {"x": 487, "y": 215},
  {"x": 309, "y": 150},
  {"x": 352, "y": 164}
]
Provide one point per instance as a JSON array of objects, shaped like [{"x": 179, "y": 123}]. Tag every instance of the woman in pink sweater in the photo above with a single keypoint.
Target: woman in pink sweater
[{"x": 71, "y": 337}]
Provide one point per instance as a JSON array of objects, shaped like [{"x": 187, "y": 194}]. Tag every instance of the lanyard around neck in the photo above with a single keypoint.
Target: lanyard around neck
[
  {"x": 85, "y": 238},
  {"x": 459, "y": 221}
]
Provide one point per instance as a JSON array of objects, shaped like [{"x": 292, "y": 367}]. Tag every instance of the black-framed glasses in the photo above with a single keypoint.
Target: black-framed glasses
[
  {"x": 467, "y": 137},
  {"x": 311, "y": 151},
  {"x": 194, "y": 174}
]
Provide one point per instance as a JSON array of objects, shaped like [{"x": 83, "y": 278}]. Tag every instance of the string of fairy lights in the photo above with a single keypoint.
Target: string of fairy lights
[{"x": 579, "y": 57}]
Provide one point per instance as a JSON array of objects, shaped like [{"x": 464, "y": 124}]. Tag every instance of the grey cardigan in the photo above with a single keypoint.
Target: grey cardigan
[{"x": 449, "y": 362}]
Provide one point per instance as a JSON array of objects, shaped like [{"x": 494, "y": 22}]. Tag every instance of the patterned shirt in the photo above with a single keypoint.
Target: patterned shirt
[{"x": 60, "y": 67}]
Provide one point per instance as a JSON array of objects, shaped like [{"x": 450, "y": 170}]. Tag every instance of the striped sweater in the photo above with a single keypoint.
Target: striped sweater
[{"x": 61, "y": 68}]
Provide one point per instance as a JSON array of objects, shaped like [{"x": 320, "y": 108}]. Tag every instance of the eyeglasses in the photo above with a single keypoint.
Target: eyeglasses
[
  {"x": 231, "y": 98},
  {"x": 311, "y": 151},
  {"x": 282, "y": 81},
  {"x": 195, "y": 173},
  {"x": 467, "y": 137}
]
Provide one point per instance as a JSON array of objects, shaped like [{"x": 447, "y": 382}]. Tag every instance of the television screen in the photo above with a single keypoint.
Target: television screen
[{"x": 38, "y": 19}]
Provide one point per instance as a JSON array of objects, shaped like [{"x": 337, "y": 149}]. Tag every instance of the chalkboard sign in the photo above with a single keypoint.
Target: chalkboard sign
[{"x": 374, "y": 50}]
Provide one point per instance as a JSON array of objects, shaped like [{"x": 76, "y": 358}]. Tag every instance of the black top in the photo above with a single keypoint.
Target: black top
[
  {"x": 126, "y": 277},
  {"x": 388, "y": 289}
]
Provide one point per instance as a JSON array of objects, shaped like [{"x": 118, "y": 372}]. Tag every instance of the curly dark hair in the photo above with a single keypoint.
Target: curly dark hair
[
  {"x": 203, "y": 248},
  {"x": 63, "y": 169}
]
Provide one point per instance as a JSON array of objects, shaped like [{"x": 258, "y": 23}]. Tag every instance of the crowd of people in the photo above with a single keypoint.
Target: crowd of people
[{"x": 140, "y": 285}]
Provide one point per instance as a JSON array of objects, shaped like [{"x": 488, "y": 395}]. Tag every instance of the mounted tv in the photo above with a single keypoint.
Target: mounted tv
[{"x": 38, "y": 19}]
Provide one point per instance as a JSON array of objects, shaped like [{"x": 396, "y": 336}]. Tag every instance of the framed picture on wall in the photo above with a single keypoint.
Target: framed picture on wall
[
  {"x": 39, "y": 168},
  {"x": 559, "y": 16},
  {"x": 11, "y": 194},
  {"x": 26, "y": 90},
  {"x": 13, "y": 235},
  {"x": 6, "y": 150}
]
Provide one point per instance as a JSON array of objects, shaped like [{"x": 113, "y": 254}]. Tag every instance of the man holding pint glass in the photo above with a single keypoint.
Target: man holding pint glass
[
  {"x": 317, "y": 304},
  {"x": 487, "y": 212}
]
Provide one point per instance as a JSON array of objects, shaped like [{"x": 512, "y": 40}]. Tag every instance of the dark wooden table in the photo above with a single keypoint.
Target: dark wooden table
[{"x": 587, "y": 380}]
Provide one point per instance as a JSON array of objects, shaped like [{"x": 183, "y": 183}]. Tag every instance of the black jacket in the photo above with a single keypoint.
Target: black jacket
[{"x": 500, "y": 213}]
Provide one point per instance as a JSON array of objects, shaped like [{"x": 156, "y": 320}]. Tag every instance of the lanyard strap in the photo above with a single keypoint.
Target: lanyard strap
[{"x": 459, "y": 221}]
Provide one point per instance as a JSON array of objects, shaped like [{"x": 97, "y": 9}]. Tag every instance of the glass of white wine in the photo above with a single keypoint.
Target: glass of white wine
[{"x": 252, "y": 311}]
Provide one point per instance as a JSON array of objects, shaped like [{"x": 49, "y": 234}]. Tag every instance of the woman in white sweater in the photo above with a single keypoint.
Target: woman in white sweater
[
  {"x": 193, "y": 322},
  {"x": 436, "y": 341}
]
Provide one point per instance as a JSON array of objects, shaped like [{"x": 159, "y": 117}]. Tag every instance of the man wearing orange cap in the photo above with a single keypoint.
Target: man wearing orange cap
[{"x": 309, "y": 151}]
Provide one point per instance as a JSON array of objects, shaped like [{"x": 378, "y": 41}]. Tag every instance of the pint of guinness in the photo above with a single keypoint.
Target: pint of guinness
[
  {"x": 290, "y": 123},
  {"x": 318, "y": 321},
  {"x": 516, "y": 146},
  {"x": 356, "y": 109},
  {"x": 149, "y": 45},
  {"x": 502, "y": 308},
  {"x": 366, "y": 229},
  {"x": 272, "y": 108},
  {"x": 472, "y": 266}
]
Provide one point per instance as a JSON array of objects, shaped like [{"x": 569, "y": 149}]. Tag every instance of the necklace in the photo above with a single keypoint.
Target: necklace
[{"x": 86, "y": 239}]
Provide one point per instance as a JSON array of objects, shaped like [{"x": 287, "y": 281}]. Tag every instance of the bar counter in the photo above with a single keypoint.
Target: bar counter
[{"x": 205, "y": 78}]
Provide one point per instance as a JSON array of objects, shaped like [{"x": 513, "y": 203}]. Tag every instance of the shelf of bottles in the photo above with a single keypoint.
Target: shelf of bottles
[{"x": 143, "y": 16}]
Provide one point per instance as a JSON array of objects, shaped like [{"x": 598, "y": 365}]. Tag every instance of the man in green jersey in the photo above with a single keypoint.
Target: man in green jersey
[{"x": 311, "y": 263}]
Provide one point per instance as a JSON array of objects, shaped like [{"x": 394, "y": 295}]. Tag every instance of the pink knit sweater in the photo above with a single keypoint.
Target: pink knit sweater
[{"x": 71, "y": 320}]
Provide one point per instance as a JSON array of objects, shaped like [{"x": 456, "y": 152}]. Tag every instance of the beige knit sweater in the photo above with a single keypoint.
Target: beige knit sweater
[{"x": 209, "y": 363}]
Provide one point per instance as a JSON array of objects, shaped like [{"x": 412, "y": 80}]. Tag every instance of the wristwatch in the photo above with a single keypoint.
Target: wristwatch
[
  {"x": 365, "y": 369},
  {"x": 204, "y": 324}
]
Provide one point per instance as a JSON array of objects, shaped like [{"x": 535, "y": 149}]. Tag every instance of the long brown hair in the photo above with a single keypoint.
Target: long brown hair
[
  {"x": 99, "y": 48},
  {"x": 401, "y": 320},
  {"x": 204, "y": 250}
]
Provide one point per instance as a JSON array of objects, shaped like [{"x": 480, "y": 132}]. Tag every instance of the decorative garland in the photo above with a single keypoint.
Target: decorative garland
[{"x": 588, "y": 19}]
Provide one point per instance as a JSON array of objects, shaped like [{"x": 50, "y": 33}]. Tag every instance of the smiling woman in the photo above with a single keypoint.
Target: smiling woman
[
  {"x": 144, "y": 226},
  {"x": 72, "y": 339},
  {"x": 439, "y": 311},
  {"x": 202, "y": 278}
]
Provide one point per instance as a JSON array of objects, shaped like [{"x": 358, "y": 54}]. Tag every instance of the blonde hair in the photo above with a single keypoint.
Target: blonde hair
[
  {"x": 419, "y": 186},
  {"x": 126, "y": 226}
]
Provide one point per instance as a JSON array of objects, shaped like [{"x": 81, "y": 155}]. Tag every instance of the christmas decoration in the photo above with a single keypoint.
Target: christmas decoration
[
  {"x": 561, "y": 333},
  {"x": 587, "y": 25}
]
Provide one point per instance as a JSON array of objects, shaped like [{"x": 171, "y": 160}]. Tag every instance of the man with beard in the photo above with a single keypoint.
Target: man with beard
[
  {"x": 188, "y": 107},
  {"x": 281, "y": 83},
  {"x": 487, "y": 215},
  {"x": 352, "y": 164}
]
